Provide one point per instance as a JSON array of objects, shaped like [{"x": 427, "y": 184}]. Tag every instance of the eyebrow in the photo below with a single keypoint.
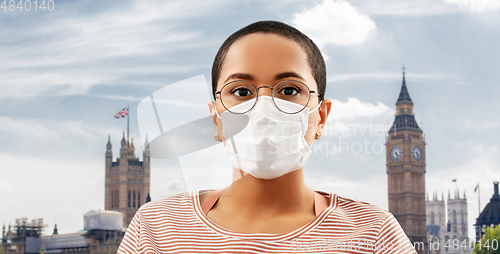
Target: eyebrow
[
  {"x": 289, "y": 74},
  {"x": 283, "y": 75}
]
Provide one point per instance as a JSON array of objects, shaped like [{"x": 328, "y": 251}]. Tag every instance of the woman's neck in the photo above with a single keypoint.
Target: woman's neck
[{"x": 287, "y": 194}]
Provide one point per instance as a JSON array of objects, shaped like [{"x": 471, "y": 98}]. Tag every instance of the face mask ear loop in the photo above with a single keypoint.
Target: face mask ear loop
[
  {"x": 217, "y": 113},
  {"x": 314, "y": 108}
]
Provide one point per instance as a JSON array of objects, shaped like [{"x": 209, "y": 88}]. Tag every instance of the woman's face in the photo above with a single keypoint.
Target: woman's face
[{"x": 265, "y": 60}]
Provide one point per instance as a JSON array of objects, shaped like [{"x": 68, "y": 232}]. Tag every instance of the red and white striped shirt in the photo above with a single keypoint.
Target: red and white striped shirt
[{"x": 178, "y": 225}]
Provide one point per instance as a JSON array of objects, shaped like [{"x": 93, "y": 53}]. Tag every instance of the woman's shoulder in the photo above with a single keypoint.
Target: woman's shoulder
[{"x": 175, "y": 203}]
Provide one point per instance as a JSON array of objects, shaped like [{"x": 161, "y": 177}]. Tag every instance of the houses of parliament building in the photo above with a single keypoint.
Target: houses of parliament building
[{"x": 127, "y": 181}]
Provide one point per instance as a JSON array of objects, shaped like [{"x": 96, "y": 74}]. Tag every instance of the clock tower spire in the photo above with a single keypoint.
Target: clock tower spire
[{"x": 405, "y": 156}]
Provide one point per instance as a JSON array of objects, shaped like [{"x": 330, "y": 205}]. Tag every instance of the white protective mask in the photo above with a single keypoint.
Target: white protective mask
[{"x": 266, "y": 142}]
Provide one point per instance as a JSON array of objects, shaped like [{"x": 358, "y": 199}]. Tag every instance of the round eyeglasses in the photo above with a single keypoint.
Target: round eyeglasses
[{"x": 239, "y": 91}]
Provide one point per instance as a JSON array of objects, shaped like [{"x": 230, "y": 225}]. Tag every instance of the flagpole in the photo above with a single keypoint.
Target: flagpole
[{"x": 128, "y": 124}]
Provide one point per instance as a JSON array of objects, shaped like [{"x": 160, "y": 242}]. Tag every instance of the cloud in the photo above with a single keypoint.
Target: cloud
[
  {"x": 6, "y": 186},
  {"x": 48, "y": 182},
  {"x": 334, "y": 22},
  {"x": 418, "y": 8},
  {"x": 354, "y": 108},
  {"x": 414, "y": 8},
  {"x": 33, "y": 136},
  {"x": 358, "y": 119},
  {"x": 480, "y": 149},
  {"x": 416, "y": 77},
  {"x": 480, "y": 126},
  {"x": 477, "y": 5},
  {"x": 70, "y": 53}
]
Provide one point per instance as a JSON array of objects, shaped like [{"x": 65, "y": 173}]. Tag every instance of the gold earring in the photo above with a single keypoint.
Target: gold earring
[
  {"x": 217, "y": 138},
  {"x": 318, "y": 135}
]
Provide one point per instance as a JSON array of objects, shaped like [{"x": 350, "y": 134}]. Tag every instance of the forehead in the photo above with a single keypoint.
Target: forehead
[{"x": 264, "y": 56}]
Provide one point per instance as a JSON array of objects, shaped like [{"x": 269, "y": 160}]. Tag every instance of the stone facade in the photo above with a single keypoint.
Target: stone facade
[
  {"x": 448, "y": 234},
  {"x": 127, "y": 180}
]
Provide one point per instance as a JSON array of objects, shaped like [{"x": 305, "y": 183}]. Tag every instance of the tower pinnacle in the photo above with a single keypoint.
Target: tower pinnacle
[
  {"x": 108, "y": 145},
  {"x": 405, "y": 118},
  {"x": 404, "y": 95},
  {"x": 123, "y": 142}
]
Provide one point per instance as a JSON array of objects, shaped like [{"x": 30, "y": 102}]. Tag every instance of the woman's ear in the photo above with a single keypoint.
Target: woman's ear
[
  {"x": 213, "y": 115},
  {"x": 324, "y": 112}
]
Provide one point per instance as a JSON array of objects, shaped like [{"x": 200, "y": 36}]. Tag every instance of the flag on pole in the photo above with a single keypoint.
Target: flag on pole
[
  {"x": 477, "y": 187},
  {"x": 123, "y": 113},
  {"x": 454, "y": 180}
]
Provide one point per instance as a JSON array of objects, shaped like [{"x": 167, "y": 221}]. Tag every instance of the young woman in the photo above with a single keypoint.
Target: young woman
[{"x": 268, "y": 82}]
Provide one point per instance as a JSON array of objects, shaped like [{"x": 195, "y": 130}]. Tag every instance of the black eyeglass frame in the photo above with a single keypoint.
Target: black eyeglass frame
[{"x": 272, "y": 95}]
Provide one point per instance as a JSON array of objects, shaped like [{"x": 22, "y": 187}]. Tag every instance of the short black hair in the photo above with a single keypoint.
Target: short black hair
[{"x": 314, "y": 56}]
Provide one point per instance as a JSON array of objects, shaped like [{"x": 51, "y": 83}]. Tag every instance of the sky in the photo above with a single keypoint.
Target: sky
[{"x": 65, "y": 73}]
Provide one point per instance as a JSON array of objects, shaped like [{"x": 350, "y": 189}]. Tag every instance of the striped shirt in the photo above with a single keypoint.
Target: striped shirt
[{"x": 178, "y": 225}]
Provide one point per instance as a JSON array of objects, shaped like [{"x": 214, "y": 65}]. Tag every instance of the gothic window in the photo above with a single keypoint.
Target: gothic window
[
  {"x": 128, "y": 198},
  {"x": 133, "y": 199},
  {"x": 432, "y": 218},
  {"x": 454, "y": 221},
  {"x": 138, "y": 199}
]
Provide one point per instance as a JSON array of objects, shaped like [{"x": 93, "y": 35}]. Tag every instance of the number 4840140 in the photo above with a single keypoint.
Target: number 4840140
[{"x": 27, "y": 5}]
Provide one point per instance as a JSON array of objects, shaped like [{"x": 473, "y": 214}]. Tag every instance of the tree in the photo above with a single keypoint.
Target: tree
[{"x": 490, "y": 243}]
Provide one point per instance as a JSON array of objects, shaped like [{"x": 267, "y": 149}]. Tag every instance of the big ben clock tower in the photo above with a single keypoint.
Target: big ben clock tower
[{"x": 405, "y": 156}]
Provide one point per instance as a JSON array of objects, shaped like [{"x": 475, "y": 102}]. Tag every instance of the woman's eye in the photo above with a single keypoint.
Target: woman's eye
[
  {"x": 242, "y": 92},
  {"x": 289, "y": 91}
]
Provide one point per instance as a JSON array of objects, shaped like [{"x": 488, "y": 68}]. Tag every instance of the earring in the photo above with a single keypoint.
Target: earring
[
  {"x": 318, "y": 135},
  {"x": 217, "y": 138}
]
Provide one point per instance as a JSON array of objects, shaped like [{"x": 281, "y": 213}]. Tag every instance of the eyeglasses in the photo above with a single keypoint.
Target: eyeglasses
[{"x": 237, "y": 92}]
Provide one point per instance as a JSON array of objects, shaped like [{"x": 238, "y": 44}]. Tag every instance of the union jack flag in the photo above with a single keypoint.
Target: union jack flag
[{"x": 123, "y": 113}]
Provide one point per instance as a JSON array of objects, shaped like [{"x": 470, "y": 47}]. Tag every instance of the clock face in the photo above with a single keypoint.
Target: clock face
[
  {"x": 417, "y": 153},
  {"x": 396, "y": 153}
]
